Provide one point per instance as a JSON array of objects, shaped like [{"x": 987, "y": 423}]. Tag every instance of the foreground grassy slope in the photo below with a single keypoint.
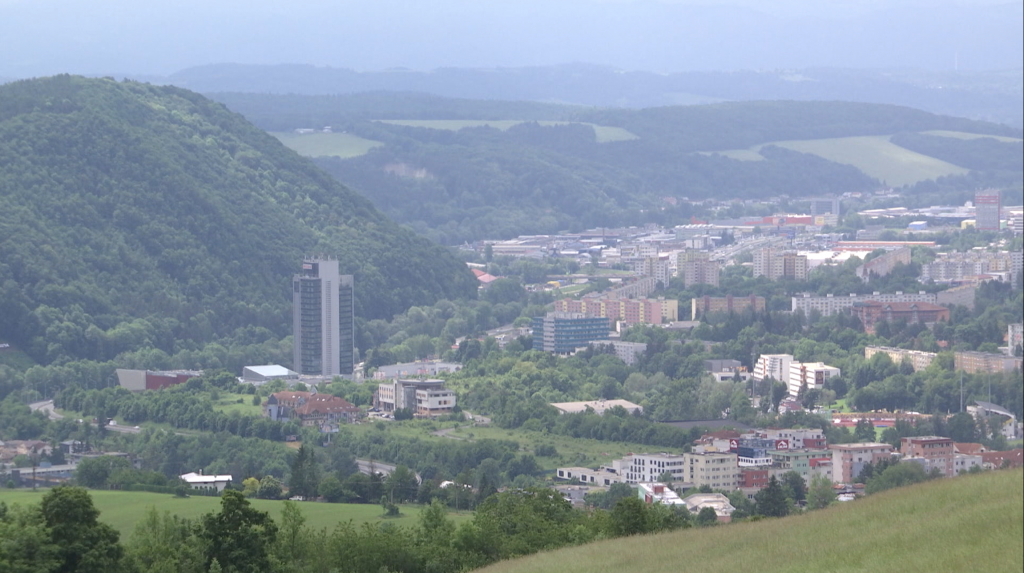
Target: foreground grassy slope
[
  {"x": 973, "y": 523},
  {"x": 123, "y": 509}
]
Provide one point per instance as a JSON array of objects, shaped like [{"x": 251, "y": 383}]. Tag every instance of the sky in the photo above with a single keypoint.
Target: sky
[{"x": 160, "y": 37}]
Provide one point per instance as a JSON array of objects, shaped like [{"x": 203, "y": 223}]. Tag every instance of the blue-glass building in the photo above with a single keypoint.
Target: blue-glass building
[{"x": 564, "y": 332}]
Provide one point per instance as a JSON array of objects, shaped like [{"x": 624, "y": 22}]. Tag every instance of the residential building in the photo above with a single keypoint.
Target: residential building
[
  {"x": 602, "y": 476},
  {"x": 716, "y": 501},
  {"x": 775, "y": 366},
  {"x": 775, "y": 265},
  {"x": 1014, "y": 338},
  {"x": 883, "y": 265},
  {"x": 597, "y": 406},
  {"x": 259, "y": 375},
  {"x": 728, "y": 304},
  {"x": 793, "y": 438},
  {"x": 752, "y": 451},
  {"x": 1016, "y": 266},
  {"x": 999, "y": 460},
  {"x": 564, "y": 332},
  {"x": 701, "y": 273},
  {"x": 872, "y": 245},
  {"x": 423, "y": 397},
  {"x": 962, "y": 295},
  {"x": 830, "y": 305},
  {"x": 647, "y": 468},
  {"x": 717, "y": 470},
  {"x": 988, "y": 210},
  {"x": 985, "y": 362},
  {"x": 654, "y": 266},
  {"x": 726, "y": 370},
  {"x": 957, "y": 267},
  {"x": 871, "y": 313},
  {"x": 937, "y": 452},
  {"x": 323, "y": 319},
  {"x": 140, "y": 380},
  {"x": 651, "y": 493},
  {"x": 918, "y": 359},
  {"x": 639, "y": 288},
  {"x": 962, "y": 463},
  {"x": 798, "y": 461},
  {"x": 848, "y": 459},
  {"x": 1016, "y": 221},
  {"x": 809, "y": 375},
  {"x": 753, "y": 478},
  {"x": 627, "y": 352},
  {"x": 626, "y": 310},
  {"x": 206, "y": 482}
]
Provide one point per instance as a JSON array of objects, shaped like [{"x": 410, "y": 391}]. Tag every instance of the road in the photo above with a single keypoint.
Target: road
[{"x": 369, "y": 466}]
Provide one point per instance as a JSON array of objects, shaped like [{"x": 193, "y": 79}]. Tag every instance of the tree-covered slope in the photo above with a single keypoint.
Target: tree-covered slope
[
  {"x": 135, "y": 216},
  {"x": 539, "y": 176}
]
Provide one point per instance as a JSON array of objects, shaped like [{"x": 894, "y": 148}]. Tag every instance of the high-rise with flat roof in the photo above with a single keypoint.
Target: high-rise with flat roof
[
  {"x": 323, "y": 319},
  {"x": 987, "y": 209}
]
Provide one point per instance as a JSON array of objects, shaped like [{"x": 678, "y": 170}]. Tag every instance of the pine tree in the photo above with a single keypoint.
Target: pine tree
[{"x": 771, "y": 501}]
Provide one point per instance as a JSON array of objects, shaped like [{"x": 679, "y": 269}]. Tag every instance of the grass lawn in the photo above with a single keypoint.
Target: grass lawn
[
  {"x": 875, "y": 155},
  {"x": 969, "y": 523},
  {"x": 16, "y": 359},
  {"x": 123, "y": 509},
  {"x": 341, "y": 145},
  {"x": 602, "y": 133},
  {"x": 229, "y": 403},
  {"x": 571, "y": 290}
]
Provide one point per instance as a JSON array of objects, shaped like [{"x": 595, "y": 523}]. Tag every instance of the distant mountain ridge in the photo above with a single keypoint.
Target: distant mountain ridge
[{"x": 135, "y": 216}]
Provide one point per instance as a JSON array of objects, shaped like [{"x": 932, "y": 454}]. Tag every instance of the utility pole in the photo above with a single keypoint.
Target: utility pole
[{"x": 961, "y": 390}]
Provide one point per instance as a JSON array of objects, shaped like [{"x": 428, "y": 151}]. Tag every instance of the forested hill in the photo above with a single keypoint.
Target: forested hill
[
  {"x": 136, "y": 217},
  {"x": 459, "y": 170}
]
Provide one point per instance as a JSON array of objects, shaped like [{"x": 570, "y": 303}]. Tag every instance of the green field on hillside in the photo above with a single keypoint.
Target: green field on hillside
[
  {"x": 970, "y": 523},
  {"x": 341, "y": 145},
  {"x": 123, "y": 509},
  {"x": 16, "y": 359},
  {"x": 965, "y": 135},
  {"x": 875, "y": 155},
  {"x": 603, "y": 133}
]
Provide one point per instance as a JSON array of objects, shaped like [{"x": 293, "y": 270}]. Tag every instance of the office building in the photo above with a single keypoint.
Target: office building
[
  {"x": 323, "y": 318},
  {"x": 825, "y": 206},
  {"x": 424, "y": 398},
  {"x": 988, "y": 210},
  {"x": 564, "y": 332}
]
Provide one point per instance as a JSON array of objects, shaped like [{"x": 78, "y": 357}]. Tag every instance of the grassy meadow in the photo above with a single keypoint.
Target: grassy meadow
[
  {"x": 970, "y": 523},
  {"x": 965, "y": 135},
  {"x": 123, "y": 509},
  {"x": 875, "y": 155},
  {"x": 602, "y": 133},
  {"x": 341, "y": 145}
]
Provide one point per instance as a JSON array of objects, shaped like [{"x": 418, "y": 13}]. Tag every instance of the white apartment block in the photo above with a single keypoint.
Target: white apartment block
[
  {"x": 775, "y": 264},
  {"x": 918, "y": 358},
  {"x": 654, "y": 267},
  {"x": 959, "y": 266},
  {"x": 624, "y": 351},
  {"x": 798, "y": 438},
  {"x": 646, "y": 468},
  {"x": 809, "y": 374},
  {"x": 773, "y": 366},
  {"x": 830, "y": 305},
  {"x": 1014, "y": 337}
]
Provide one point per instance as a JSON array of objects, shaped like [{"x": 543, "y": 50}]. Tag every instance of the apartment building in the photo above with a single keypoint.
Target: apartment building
[
  {"x": 809, "y": 375},
  {"x": 883, "y": 265},
  {"x": 728, "y": 304},
  {"x": 774, "y": 366},
  {"x": 717, "y": 470},
  {"x": 626, "y": 310},
  {"x": 653, "y": 266},
  {"x": 701, "y": 273},
  {"x": 627, "y": 352},
  {"x": 985, "y": 363},
  {"x": 918, "y": 359},
  {"x": 848, "y": 459},
  {"x": 829, "y": 305},
  {"x": 988, "y": 210},
  {"x": 646, "y": 468},
  {"x": 871, "y": 313},
  {"x": 954, "y": 267},
  {"x": 1014, "y": 337},
  {"x": 775, "y": 265},
  {"x": 935, "y": 451}
]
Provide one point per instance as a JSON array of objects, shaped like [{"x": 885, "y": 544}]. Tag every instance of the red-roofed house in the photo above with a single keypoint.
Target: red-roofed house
[
  {"x": 311, "y": 409},
  {"x": 484, "y": 279},
  {"x": 995, "y": 460}
]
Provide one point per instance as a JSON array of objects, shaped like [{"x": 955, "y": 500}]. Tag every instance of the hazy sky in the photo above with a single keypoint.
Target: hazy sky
[{"x": 40, "y": 37}]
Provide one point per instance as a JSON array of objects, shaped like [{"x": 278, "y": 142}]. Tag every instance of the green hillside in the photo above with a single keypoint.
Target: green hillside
[
  {"x": 972, "y": 523},
  {"x": 341, "y": 145},
  {"x": 151, "y": 220}
]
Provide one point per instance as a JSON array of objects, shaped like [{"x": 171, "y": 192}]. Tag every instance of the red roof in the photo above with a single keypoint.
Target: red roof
[
  {"x": 969, "y": 448},
  {"x": 996, "y": 459},
  {"x": 326, "y": 404}
]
